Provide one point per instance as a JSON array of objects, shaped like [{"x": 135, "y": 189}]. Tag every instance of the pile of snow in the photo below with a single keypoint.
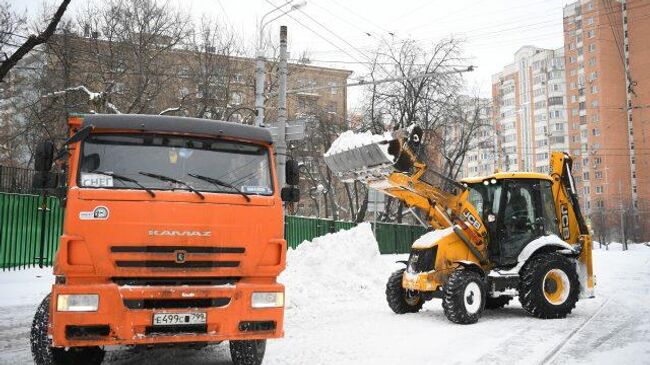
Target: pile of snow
[
  {"x": 337, "y": 267},
  {"x": 349, "y": 140}
]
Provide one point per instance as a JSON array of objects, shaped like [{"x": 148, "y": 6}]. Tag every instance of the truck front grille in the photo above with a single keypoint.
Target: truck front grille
[
  {"x": 422, "y": 260},
  {"x": 172, "y": 249},
  {"x": 176, "y": 303},
  {"x": 175, "y": 265},
  {"x": 162, "y": 281},
  {"x": 176, "y": 256}
]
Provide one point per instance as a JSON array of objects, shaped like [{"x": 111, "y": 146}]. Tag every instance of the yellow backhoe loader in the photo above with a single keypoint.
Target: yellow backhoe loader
[{"x": 495, "y": 237}]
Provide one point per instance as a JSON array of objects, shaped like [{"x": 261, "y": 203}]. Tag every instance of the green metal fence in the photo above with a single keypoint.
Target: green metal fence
[
  {"x": 392, "y": 238},
  {"x": 30, "y": 228}
]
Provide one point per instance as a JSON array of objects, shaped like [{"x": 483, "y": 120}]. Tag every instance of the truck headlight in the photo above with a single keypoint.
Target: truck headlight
[
  {"x": 267, "y": 300},
  {"x": 77, "y": 302}
]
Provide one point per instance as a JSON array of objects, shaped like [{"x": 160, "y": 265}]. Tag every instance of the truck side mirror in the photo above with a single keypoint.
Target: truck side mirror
[
  {"x": 292, "y": 173},
  {"x": 44, "y": 156},
  {"x": 290, "y": 194}
]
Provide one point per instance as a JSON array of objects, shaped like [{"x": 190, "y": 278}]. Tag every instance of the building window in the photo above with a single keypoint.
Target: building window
[
  {"x": 594, "y": 103},
  {"x": 594, "y": 89},
  {"x": 599, "y": 189},
  {"x": 585, "y": 190},
  {"x": 589, "y": 6},
  {"x": 574, "y": 98},
  {"x": 600, "y": 204},
  {"x": 592, "y": 61},
  {"x": 595, "y": 132},
  {"x": 333, "y": 88},
  {"x": 592, "y": 47},
  {"x": 590, "y": 21},
  {"x": 585, "y": 176},
  {"x": 236, "y": 98},
  {"x": 595, "y": 118},
  {"x": 598, "y": 175},
  {"x": 572, "y": 86},
  {"x": 593, "y": 76}
]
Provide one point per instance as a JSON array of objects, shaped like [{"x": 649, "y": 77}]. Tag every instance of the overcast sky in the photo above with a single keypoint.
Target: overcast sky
[{"x": 493, "y": 29}]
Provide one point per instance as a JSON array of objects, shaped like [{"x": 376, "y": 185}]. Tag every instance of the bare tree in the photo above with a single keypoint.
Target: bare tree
[
  {"x": 464, "y": 119},
  {"x": 33, "y": 40}
]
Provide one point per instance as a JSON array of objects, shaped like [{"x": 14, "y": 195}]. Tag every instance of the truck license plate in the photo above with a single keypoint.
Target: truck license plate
[{"x": 174, "y": 319}]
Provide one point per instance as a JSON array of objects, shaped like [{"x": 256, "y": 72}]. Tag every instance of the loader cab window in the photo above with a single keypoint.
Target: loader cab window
[{"x": 528, "y": 212}]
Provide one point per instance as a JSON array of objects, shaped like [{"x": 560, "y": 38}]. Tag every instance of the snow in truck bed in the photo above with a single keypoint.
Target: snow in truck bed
[{"x": 336, "y": 314}]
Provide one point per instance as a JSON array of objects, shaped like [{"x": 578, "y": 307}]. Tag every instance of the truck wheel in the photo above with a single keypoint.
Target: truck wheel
[
  {"x": 464, "y": 297},
  {"x": 247, "y": 352},
  {"x": 43, "y": 352},
  {"x": 498, "y": 302},
  {"x": 549, "y": 286},
  {"x": 401, "y": 300}
]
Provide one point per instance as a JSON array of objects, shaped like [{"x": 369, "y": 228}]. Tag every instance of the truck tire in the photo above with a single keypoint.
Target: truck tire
[
  {"x": 400, "y": 300},
  {"x": 247, "y": 352},
  {"x": 463, "y": 298},
  {"x": 498, "y": 302},
  {"x": 549, "y": 286},
  {"x": 43, "y": 352}
]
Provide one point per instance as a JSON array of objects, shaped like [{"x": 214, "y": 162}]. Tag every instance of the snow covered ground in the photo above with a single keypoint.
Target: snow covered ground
[{"x": 336, "y": 314}]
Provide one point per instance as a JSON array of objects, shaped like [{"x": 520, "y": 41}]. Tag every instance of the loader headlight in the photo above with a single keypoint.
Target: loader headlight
[
  {"x": 267, "y": 300},
  {"x": 77, "y": 302}
]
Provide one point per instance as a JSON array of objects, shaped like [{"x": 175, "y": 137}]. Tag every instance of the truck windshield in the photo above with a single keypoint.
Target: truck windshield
[{"x": 244, "y": 166}]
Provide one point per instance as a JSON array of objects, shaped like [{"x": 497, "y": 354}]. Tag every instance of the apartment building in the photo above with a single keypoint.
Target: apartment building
[
  {"x": 481, "y": 158},
  {"x": 529, "y": 109},
  {"x": 608, "y": 91}
]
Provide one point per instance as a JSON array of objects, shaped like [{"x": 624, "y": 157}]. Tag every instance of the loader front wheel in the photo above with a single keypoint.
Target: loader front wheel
[
  {"x": 401, "y": 300},
  {"x": 464, "y": 297},
  {"x": 549, "y": 286},
  {"x": 43, "y": 352},
  {"x": 247, "y": 352}
]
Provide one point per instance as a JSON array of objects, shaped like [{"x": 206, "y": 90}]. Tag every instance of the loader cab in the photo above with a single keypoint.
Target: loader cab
[{"x": 516, "y": 212}]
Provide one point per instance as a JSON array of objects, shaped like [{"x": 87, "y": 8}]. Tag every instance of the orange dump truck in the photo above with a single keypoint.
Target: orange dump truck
[{"x": 173, "y": 234}]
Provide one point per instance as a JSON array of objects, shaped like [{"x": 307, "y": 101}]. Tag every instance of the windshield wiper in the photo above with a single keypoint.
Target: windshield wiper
[
  {"x": 218, "y": 182},
  {"x": 127, "y": 179},
  {"x": 172, "y": 180}
]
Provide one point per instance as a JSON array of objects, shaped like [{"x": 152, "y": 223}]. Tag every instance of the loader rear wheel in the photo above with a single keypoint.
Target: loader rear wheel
[
  {"x": 464, "y": 297},
  {"x": 549, "y": 286},
  {"x": 498, "y": 302},
  {"x": 247, "y": 352},
  {"x": 401, "y": 300},
  {"x": 43, "y": 352}
]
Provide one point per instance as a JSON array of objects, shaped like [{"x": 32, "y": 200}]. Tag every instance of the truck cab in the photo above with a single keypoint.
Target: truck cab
[{"x": 173, "y": 233}]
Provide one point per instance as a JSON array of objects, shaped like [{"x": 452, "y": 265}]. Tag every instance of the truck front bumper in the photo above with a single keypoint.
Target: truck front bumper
[{"x": 125, "y": 315}]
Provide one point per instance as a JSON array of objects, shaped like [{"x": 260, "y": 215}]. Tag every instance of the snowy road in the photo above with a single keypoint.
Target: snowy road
[{"x": 337, "y": 315}]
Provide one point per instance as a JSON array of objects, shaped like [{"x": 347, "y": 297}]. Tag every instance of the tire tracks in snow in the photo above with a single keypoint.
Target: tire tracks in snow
[{"x": 555, "y": 351}]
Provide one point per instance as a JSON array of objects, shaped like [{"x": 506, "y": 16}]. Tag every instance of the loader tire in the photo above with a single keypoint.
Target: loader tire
[
  {"x": 43, "y": 352},
  {"x": 498, "y": 302},
  {"x": 247, "y": 352},
  {"x": 464, "y": 297},
  {"x": 400, "y": 300},
  {"x": 549, "y": 286}
]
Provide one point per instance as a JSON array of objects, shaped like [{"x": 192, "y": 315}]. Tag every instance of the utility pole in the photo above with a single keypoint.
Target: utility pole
[
  {"x": 281, "y": 146},
  {"x": 260, "y": 62}
]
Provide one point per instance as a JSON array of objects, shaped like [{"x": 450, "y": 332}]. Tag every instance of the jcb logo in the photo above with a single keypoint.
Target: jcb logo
[
  {"x": 564, "y": 220},
  {"x": 471, "y": 219}
]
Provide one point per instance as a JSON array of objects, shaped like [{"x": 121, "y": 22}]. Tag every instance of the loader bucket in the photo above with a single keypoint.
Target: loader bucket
[
  {"x": 367, "y": 157},
  {"x": 361, "y": 162}
]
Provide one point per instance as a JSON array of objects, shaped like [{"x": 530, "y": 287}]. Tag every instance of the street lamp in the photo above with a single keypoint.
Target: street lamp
[{"x": 260, "y": 67}]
